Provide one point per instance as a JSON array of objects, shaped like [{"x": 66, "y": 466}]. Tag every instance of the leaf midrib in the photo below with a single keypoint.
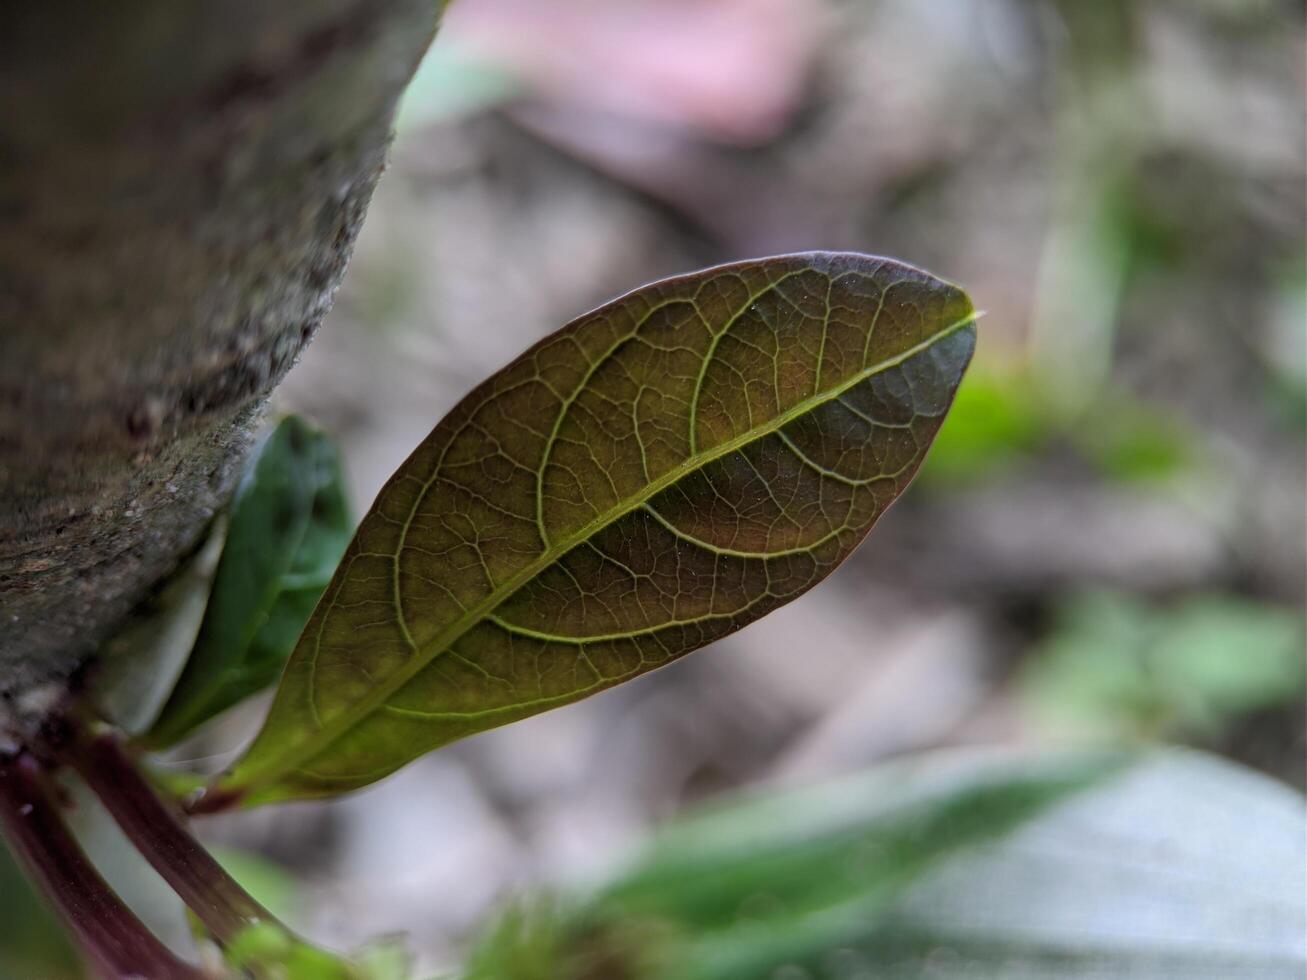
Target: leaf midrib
[{"x": 345, "y": 721}]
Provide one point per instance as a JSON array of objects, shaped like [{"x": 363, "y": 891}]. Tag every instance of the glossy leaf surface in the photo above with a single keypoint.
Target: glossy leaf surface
[
  {"x": 289, "y": 525},
  {"x": 654, "y": 476}
]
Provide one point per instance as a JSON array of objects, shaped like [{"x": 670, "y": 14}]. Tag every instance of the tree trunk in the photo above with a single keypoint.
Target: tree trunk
[{"x": 180, "y": 186}]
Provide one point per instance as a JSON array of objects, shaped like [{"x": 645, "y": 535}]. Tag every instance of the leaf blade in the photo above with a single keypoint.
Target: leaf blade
[{"x": 701, "y": 429}]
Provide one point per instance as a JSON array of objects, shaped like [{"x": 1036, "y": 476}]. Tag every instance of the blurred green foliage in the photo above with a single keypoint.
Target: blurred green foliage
[
  {"x": 1114, "y": 664},
  {"x": 951, "y": 865},
  {"x": 778, "y": 881},
  {"x": 995, "y": 420},
  {"x": 999, "y": 421},
  {"x": 1130, "y": 442},
  {"x": 270, "y": 884},
  {"x": 33, "y": 945},
  {"x": 268, "y": 952},
  {"x": 1286, "y": 346}
]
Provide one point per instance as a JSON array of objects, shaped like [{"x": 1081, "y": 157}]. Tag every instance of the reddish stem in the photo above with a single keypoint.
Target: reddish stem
[
  {"x": 117, "y": 943},
  {"x": 157, "y": 831}
]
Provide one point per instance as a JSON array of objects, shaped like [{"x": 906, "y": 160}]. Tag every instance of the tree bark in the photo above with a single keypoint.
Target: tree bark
[{"x": 181, "y": 182}]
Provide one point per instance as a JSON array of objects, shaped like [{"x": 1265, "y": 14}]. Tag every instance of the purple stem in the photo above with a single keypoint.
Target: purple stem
[
  {"x": 157, "y": 831},
  {"x": 116, "y": 942}
]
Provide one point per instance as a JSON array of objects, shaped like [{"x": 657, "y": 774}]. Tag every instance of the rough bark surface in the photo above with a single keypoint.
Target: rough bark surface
[{"x": 180, "y": 186}]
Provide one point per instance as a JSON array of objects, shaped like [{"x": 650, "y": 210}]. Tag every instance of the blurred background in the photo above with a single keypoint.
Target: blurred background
[{"x": 1108, "y": 540}]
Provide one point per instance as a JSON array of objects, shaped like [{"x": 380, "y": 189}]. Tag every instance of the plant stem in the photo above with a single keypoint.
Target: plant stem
[
  {"x": 157, "y": 831},
  {"x": 117, "y": 943}
]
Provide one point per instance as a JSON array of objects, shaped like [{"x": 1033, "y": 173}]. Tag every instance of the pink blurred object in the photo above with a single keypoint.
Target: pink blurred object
[{"x": 730, "y": 70}]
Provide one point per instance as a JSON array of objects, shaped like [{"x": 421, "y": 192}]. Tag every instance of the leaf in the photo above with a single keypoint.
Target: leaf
[
  {"x": 654, "y": 476},
  {"x": 289, "y": 526},
  {"x": 977, "y": 865},
  {"x": 140, "y": 665}
]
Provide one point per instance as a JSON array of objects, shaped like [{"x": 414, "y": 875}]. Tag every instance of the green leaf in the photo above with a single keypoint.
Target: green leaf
[
  {"x": 654, "y": 476},
  {"x": 289, "y": 526},
  {"x": 955, "y": 865}
]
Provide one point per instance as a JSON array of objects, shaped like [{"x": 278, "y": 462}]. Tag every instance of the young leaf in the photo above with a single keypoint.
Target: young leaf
[
  {"x": 289, "y": 526},
  {"x": 654, "y": 476}
]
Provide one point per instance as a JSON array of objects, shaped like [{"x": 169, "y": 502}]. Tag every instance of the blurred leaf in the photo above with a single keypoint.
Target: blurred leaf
[
  {"x": 139, "y": 667},
  {"x": 271, "y": 885},
  {"x": 654, "y": 476},
  {"x": 32, "y": 942},
  {"x": 1001, "y": 417},
  {"x": 1131, "y": 442},
  {"x": 268, "y": 952},
  {"x": 790, "y": 879},
  {"x": 288, "y": 528},
  {"x": 387, "y": 958},
  {"x": 801, "y": 853},
  {"x": 996, "y": 419},
  {"x": 1285, "y": 346},
  {"x": 1113, "y": 664},
  {"x": 528, "y": 941},
  {"x": 958, "y": 865},
  {"x": 277, "y": 889},
  {"x": 539, "y": 938}
]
